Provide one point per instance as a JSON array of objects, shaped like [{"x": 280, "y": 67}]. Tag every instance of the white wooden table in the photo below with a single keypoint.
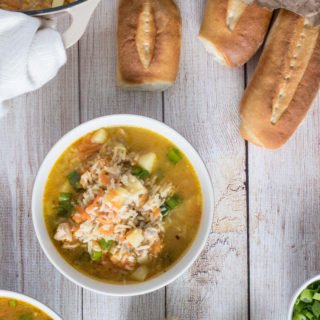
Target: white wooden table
[{"x": 265, "y": 240}]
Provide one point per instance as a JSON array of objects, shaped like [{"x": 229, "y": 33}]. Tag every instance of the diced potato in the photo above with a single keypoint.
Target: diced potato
[
  {"x": 100, "y": 137},
  {"x": 140, "y": 274},
  {"x": 143, "y": 260},
  {"x": 148, "y": 161},
  {"x": 135, "y": 237}
]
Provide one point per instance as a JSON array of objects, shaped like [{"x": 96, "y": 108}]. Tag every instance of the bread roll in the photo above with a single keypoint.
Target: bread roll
[
  {"x": 285, "y": 82},
  {"x": 232, "y": 31},
  {"x": 149, "y": 42}
]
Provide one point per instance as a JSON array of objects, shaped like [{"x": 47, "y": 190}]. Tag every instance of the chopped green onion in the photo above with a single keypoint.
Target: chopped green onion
[
  {"x": 139, "y": 172},
  {"x": 164, "y": 209},
  {"x": 26, "y": 316},
  {"x": 170, "y": 204},
  {"x": 65, "y": 206},
  {"x": 74, "y": 179},
  {"x": 299, "y": 316},
  {"x": 174, "y": 155},
  {"x": 12, "y": 303},
  {"x": 105, "y": 245},
  {"x": 316, "y": 308},
  {"x": 65, "y": 197},
  {"x": 96, "y": 256},
  {"x": 299, "y": 306},
  {"x": 306, "y": 296},
  {"x": 309, "y": 315},
  {"x": 173, "y": 202}
]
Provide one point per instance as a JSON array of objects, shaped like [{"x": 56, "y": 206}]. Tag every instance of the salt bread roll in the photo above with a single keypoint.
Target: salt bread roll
[
  {"x": 149, "y": 43},
  {"x": 285, "y": 82},
  {"x": 232, "y": 31}
]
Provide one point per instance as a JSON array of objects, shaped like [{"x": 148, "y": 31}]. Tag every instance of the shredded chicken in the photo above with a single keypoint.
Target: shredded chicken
[{"x": 119, "y": 209}]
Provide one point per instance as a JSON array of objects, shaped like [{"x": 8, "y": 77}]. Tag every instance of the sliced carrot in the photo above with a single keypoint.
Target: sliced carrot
[
  {"x": 143, "y": 199},
  {"x": 94, "y": 202},
  {"x": 156, "y": 213},
  {"x": 104, "y": 178},
  {"x": 85, "y": 215},
  {"x": 104, "y": 221},
  {"x": 107, "y": 232}
]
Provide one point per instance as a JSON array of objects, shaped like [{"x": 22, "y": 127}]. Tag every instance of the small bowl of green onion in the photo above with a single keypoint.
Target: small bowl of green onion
[{"x": 305, "y": 304}]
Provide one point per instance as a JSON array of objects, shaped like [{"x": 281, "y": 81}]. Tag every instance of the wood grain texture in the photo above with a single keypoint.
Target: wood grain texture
[
  {"x": 284, "y": 204},
  {"x": 203, "y": 106},
  {"x": 284, "y": 186},
  {"x": 37, "y": 121},
  {"x": 99, "y": 97}
]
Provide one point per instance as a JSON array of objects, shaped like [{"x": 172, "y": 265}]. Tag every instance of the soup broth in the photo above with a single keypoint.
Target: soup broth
[
  {"x": 32, "y": 5},
  {"x": 11, "y": 309},
  {"x": 122, "y": 204}
]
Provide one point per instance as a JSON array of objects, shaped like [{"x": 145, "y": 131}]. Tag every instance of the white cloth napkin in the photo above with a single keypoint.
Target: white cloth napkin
[{"x": 30, "y": 55}]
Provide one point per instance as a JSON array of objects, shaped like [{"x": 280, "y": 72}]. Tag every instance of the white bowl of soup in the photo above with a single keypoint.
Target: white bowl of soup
[
  {"x": 21, "y": 307},
  {"x": 122, "y": 205}
]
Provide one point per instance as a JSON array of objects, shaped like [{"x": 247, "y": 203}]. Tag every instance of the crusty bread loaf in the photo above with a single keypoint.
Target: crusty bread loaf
[
  {"x": 285, "y": 82},
  {"x": 149, "y": 42},
  {"x": 232, "y": 31}
]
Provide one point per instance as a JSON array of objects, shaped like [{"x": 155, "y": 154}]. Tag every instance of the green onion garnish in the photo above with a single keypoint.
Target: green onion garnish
[
  {"x": 65, "y": 206},
  {"x": 12, "y": 303},
  {"x": 105, "y": 245},
  {"x": 173, "y": 202},
  {"x": 139, "y": 172},
  {"x": 164, "y": 209},
  {"x": 306, "y": 296},
  {"x": 170, "y": 204},
  {"x": 174, "y": 155},
  {"x": 96, "y": 256},
  {"x": 74, "y": 179}
]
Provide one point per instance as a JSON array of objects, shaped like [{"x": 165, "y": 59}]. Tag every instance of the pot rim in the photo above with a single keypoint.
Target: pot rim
[{"x": 53, "y": 10}]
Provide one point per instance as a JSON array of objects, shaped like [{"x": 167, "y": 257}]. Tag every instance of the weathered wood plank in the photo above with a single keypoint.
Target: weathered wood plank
[
  {"x": 203, "y": 106},
  {"x": 284, "y": 218},
  {"x": 36, "y": 123},
  {"x": 99, "y": 96}
]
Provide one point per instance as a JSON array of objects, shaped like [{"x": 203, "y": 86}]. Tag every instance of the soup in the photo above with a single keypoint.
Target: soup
[
  {"x": 122, "y": 204},
  {"x": 31, "y": 5},
  {"x": 12, "y": 309}
]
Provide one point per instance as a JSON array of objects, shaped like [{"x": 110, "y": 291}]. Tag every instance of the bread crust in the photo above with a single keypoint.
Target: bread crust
[
  {"x": 258, "y": 103},
  {"x": 149, "y": 43},
  {"x": 234, "y": 47}
]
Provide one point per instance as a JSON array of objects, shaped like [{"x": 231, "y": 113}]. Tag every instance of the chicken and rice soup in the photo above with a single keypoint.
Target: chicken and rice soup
[
  {"x": 122, "y": 204},
  {"x": 12, "y": 309}
]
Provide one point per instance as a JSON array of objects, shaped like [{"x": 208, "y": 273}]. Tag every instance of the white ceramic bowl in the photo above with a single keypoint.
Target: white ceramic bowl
[
  {"x": 33, "y": 302},
  {"x": 298, "y": 291},
  {"x": 98, "y": 286}
]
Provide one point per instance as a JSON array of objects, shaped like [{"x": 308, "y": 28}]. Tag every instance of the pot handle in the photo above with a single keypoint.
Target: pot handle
[{"x": 80, "y": 15}]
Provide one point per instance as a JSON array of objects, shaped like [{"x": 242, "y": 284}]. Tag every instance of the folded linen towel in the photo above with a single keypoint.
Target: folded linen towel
[{"x": 31, "y": 54}]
